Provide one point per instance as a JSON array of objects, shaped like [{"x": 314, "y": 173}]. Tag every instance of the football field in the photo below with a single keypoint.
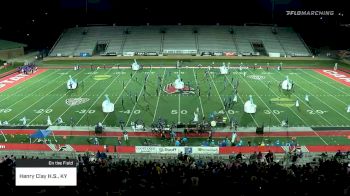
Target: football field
[{"x": 148, "y": 95}]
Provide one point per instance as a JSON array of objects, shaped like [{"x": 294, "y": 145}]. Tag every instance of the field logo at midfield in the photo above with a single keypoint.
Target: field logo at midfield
[
  {"x": 170, "y": 89},
  {"x": 76, "y": 101},
  {"x": 284, "y": 102},
  {"x": 101, "y": 77},
  {"x": 256, "y": 77}
]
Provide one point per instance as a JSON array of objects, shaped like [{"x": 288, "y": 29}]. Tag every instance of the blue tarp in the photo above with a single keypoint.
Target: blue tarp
[{"x": 41, "y": 134}]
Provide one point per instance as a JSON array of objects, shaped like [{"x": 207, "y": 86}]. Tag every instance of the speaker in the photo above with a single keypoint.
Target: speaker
[
  {"x": 98, "y": 129},
  {"x": 260, "y": 130}
]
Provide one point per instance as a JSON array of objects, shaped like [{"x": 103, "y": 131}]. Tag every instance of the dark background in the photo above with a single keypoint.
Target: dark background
[{"x": 38, "y": 23}]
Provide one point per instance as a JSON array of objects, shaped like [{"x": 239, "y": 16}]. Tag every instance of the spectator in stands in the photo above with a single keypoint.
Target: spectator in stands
[
  {"x": 260, "y": 157},
  {"x": 269, "y": 157}
]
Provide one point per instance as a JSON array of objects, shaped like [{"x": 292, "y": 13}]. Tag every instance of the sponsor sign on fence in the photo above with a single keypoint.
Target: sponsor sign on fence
[
  {"x": 159, "y": 150},
  {"x": 205, "y": 150},
  {"x": 229, "y": 53},
  {"x": 218, "y": 54},
  {"x": 128, "y": 53},
  {"x": 151, "y": 54}
]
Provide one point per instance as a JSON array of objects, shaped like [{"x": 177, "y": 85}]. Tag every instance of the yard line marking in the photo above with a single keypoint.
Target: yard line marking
[
  {"x": 31, "y": 94},
  {"x": 200, "y": 99},
  {"x": 159, "y": 93},
  {"x": 278, "y": 96},
  {"x": 223, "y": 105},
  {"x": 302, "y": 100},
  {"x": 256, "y": 123},
  {"x": 19, "y": 89},
  {"x": 320, "y": 137},
  {"x": 39, "y": 100},
  {"x": 63, "y": 97},
  {"x": 98, "y": 98},
  {"x": 323, "y": 101},
  {"x": 120, "y": 94},
  {"x": 138, "y": 97},
  {"x": 261, "y": 99},
  {"x": 328, "y": 85}
]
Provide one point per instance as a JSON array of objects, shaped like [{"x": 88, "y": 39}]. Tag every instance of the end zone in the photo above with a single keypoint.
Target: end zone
[
  {"x": 17, "y": 78},
  {"x": 338, "y": 76}
]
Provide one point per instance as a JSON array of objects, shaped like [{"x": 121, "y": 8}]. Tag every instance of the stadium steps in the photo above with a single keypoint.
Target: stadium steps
[
  {"x": 234, "y": 41},
  {"x": 305, "y": 45},
  {"x": 282, "y": 45},
  {"x": 78, "y": 45},
  {"x": 57, "y": 41},
  {"x": 162, "y": 37},
  {"x": 125, "y": 37},
  {"x": 196, "y": 42}
]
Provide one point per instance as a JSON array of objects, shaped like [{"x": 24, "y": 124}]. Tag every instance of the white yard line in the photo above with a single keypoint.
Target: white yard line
[
  {"x": 138, "y": 97},
  {"x": 179, "y": 109},
  {"x": 307, "y": 105},
  {"x": 262, "y": 100},
  {"x": 98, "y": 98},
  {"x": 323, "y": 101},
  {"x": 320, "y": 137},
  {"x": 223, "y": 105},
  {"x": 278, "y": 96},
  {"x": 326, "y": 91},
  {"x": 256, "y": 123},
  {"x": 294, "y": 111},
  {"x": 20, "y": 89},
  {"x": 31, "y": 94},
  {"x": 59, "y": 86},
  {"x": 159, "y": 93},
  {"x": 64, "y": 96},
  {"x": 325, "y": 82},
  {"x": 120, "y": 94},
  {"x": 200, "y": 99}
]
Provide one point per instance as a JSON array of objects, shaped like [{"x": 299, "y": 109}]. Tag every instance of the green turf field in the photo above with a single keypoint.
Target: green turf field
[{"x": 46, "y": 95}]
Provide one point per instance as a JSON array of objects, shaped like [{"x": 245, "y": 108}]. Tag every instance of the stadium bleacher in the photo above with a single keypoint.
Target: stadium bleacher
[{"x": 186, "y": 39}]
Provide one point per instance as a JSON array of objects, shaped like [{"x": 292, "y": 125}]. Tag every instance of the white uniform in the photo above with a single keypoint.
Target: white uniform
[
  {"x": 126, "y": 136},
  {"x": 24, "y": 120},
  {"x": 49, "y": 123},
  {"x": 233, "y": 139},
  {"x": 307, "y": 98},
  {"x": 297, "y": 103},
  {"x": 348, "y": 110},
  {"x": 335, "y": 66},
  {"x": 235, "y": 98}
]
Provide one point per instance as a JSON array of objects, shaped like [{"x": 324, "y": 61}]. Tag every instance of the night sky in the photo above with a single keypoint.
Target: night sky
[{"x": 39, "y": 22}]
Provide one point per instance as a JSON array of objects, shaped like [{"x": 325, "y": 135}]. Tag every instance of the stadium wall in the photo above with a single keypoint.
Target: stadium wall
[{"x": 174, "y": 57}]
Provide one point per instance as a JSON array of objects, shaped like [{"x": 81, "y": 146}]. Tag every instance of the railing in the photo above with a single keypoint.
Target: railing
[{"x": 59, "y": 38}]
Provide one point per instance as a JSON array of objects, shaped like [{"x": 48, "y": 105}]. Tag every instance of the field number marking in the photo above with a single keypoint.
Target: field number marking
[
  {"x": 129, "y": 111},
  {"x": 7, "y": 110},
  {"x": 273, "y": 111},
  {"x": 85, "y": 111},
  {"x": 40, "y": 111},
  {"x": 312, "y": 112},
  {"x": 181, "y": 112}
]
